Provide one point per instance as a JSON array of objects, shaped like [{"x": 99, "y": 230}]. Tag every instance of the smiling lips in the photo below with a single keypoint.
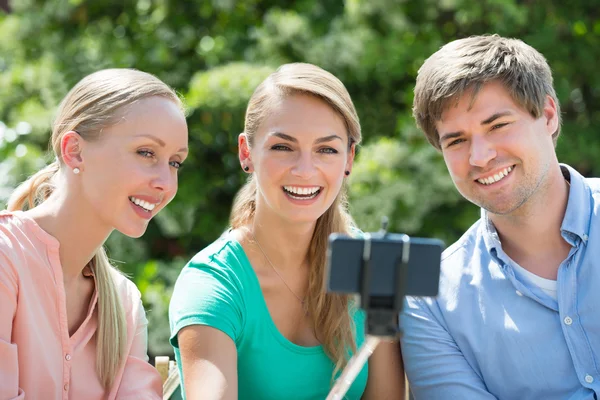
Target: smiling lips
[
  {"x": 496, "y": 177},
  {"x": 143, "y": 204},
  {"x": 302, "y": 193}
]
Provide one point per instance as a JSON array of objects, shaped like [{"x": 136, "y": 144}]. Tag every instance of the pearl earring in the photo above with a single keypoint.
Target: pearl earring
[{"x": 76, "y": 170}]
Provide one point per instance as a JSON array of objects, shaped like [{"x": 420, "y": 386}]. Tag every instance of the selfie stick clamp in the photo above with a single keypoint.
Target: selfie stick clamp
[{"x": 382, "y": 312}]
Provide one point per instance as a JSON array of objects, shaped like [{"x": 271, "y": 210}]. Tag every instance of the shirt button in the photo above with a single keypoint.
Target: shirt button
[
  {"x": 589, "y": 378},
  {"x": 66, "y": 387},
  {"x": 585, "y": 237},
  {"x": 68, "y": 357},
  {"x": 568, "y": 320},
  {"x": 519, "y": 293}
]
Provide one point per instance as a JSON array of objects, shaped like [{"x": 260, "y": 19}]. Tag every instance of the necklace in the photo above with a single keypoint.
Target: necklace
[{"x": 275, "y": 269}]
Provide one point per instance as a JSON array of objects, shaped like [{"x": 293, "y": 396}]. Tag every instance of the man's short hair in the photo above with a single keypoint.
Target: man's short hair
[{"x": 464, "y": 65}]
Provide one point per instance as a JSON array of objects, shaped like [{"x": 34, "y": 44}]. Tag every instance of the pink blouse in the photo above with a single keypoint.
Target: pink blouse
[{"x": 38, "y": 359}]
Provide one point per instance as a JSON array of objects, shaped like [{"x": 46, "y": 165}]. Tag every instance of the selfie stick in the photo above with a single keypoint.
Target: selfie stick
[{"x": 381, "y": 315}]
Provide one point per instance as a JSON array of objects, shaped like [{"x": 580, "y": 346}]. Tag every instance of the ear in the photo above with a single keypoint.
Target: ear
[
  {"x": 244, "y": 152},
  {"x": 71, "y": 145},
  {"x": 350, "y": 160},
  {"x": 551, "y": 115}
]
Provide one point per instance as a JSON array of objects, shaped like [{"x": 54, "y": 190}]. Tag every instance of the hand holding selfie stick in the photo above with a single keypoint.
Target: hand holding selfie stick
[{"x": 381, "y": 312}]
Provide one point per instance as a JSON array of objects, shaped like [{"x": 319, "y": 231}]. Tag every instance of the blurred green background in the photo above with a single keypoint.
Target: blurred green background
[{"x": 215, "y": 52}]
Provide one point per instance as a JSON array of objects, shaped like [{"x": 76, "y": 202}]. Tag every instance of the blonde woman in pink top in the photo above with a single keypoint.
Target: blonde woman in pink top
[{"x": 71, "y": 326}]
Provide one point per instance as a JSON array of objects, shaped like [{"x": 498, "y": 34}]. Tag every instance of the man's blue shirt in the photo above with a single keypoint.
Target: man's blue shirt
[{"x": 492, "y": 334}]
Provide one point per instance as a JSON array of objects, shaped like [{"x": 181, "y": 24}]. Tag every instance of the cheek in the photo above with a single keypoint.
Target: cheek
[
  {"x": 458, "y": 166},
  {"x": 452, "y": 162},
  {"x": 272, "y": 167},
  {"x": 173, "y": 192},
  {"x": 334, "y": 176}
]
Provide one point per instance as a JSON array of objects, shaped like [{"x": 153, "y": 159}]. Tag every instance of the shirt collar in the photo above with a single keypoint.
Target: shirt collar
[
  {"x": 579, "y": 206},
  {"x": 577, "y": 215}
]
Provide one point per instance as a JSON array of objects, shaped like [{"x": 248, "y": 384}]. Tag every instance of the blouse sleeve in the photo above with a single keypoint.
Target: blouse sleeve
[{"x": 9, "y": 367}]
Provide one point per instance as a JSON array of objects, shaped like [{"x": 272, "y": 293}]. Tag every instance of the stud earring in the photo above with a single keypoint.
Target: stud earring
[
  {"x": 76, "y": 170},
  {"x": 347, "y": 173},
  {"x": 246, "y": 168}
]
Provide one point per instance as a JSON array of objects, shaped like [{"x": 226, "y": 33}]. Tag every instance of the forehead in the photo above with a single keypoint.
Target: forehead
[
  {"x": 304, "y": 116},
  {"x": 157, "y": 116},
  {"x": 491, "y": 98}
]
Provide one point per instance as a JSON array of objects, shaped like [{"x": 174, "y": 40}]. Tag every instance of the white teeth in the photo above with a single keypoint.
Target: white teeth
[
  {"x": 495, "y": 178},
  {"x": 305, "y": 191},
  {"x": 144, "y": 204}
]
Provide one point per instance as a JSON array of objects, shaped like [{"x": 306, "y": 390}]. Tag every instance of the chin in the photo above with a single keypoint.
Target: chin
[
  {"x": 303, "y": 218},
  {"x": 131, "y": 231}
]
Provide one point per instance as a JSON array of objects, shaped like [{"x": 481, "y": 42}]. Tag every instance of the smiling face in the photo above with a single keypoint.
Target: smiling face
[
  {"x": 299, "y": 157},
  {"x": 497, "y": 154},
  {"x": 130, "y": 173}
]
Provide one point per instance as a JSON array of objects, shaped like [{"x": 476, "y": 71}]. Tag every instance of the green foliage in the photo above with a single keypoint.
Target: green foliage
[{"x": 216, "y": 52}]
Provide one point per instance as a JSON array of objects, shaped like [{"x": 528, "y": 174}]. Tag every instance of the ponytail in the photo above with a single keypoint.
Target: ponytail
[
  {"x": 34, "y": 190},
  {"x": 112, "y": 327}
]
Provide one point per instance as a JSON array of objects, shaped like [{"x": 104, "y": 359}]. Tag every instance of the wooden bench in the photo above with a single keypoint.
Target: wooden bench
[{"x": 170, "y": 377}]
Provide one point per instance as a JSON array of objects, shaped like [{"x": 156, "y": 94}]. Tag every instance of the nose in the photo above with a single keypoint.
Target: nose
[
  {"x": 482, "y": 151},
  {"x": 165, "y": 180},
  {"x": 304, "y": 167}
]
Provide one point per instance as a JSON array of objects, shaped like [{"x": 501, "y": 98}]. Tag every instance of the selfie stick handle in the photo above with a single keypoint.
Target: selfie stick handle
[{"x": 355, "y": 365}]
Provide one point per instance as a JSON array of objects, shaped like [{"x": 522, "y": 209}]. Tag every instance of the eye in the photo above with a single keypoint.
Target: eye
[
  {"x": 498, "y": 126},
  {"x": 280, "y": 147},
  {"x": 328, "y": 150},
  {"x": 176, "y": 164},
  {"x": 146, "y": 153},
  {"x": 455, "y": 142}
]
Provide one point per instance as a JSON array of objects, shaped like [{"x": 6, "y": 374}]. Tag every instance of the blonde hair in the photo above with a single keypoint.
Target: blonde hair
[
  {"x": 330, "y": 313},
  {"x": 98, "y": 101},
  {"x": 466, "y": 64}
]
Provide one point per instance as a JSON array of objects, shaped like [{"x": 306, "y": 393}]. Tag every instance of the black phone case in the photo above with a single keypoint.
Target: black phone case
[{"x": 345, "y": 258}]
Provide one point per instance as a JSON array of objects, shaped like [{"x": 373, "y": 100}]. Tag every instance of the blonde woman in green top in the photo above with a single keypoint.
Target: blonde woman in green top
[{"x": 250, "y": 317}]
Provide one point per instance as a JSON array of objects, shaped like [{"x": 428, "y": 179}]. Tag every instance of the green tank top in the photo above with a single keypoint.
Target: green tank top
[{"x": 219, "y": 288}]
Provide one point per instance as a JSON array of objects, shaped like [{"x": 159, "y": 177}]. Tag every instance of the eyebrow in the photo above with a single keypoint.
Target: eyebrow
[
  {"x": 448, "y": 136},
  {"x": 495, "y": 117},
  {"x": 294, "y": 140},
  {"x": 487, "y": 121},
  {"x": 161, "y": 143}
]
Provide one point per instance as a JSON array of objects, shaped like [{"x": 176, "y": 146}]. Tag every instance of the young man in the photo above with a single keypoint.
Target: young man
[{"x": 517, "y": 316}]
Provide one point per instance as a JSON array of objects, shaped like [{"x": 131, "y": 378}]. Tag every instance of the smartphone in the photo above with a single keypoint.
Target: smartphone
[{"x": 345, "y": 260}]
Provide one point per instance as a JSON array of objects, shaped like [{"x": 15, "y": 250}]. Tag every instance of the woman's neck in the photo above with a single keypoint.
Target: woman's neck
[
  {"x": 78, "y": 229},
  {"x": 286, "y": 244}
]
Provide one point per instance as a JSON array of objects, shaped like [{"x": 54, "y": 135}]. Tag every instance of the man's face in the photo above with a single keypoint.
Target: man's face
[{"x": 497, "y": 154}]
